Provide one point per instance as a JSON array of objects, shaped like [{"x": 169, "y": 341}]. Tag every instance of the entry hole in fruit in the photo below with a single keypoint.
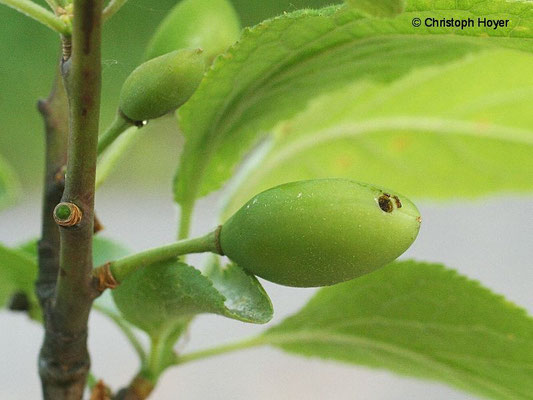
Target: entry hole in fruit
[{"x": 385, "y": 203}]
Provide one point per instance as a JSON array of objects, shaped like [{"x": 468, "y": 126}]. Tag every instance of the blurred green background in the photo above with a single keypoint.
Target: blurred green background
[{"x": 29, "y": 53}]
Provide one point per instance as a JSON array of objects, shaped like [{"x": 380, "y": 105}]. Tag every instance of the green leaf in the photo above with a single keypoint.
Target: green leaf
[
  {"x": 17, "y": 273},
  {"x": 461, "y": 130},
  {"x": 419, "y": 320},
  {"x": 158, "y": 297},
  {"x": 381, "y": 8},
  {"x": 280, "y": 65},
  {"x": 9, "y": 186},
  {"x": 243, "y": 292}
]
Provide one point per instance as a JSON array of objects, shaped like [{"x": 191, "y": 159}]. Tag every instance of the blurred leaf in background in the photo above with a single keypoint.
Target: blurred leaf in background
[
  {"x": 282, "y": 65},
  {"x": 9, "y": 185},
  {"x": 452, "y": 145},
  {"x": 30, "y": 52}
]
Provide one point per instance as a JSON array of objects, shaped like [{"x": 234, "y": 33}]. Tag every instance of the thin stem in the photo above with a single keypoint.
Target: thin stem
[
  {"x": 109, "y": 160},
  {"x": 215, "y": 351},
  {"x": 160, "y": 358},
  {"x": 40, "y": 14},
  {"x": 184, "y": 227},
  {"x": 126, "y": 329},
  {"x": 123, "y": 267},
  {"x": 117, "y": 127},
  {"x": 185, "y": 220},
  {"x": 64, "y": 359},
  {"x": 54, "y": 111},
  {"x": 112, "y": 8},
  {"x": 153, "y": 365}
]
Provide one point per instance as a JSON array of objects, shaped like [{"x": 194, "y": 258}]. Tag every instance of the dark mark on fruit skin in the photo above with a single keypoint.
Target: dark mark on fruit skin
[
  {"x": 398, "y": 202},
  {"x": 385, "y": 203}
]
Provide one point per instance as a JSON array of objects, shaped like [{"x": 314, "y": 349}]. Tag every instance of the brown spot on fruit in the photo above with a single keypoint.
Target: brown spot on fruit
[
  {"x": 385, "y": 203},
  {"x": 397, "y": 201}
]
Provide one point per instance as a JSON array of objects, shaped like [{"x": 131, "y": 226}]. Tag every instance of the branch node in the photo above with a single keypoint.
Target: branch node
[
  {"x": 101, "y": 391},
  {"x": 43, "y": 107},
  {"x": 67, "y": 214},
  {"x": 139, "y": 389},
  {"x": 104, "y": 277},
  {"x": 59, "y": 177},
  {"x": 97, "y": 225}
]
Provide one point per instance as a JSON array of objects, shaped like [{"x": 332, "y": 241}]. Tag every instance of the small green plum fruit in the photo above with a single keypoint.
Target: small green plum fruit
[
  {"x": 161, "y": 85},
  {"x": 212, "y": 25},
  {"x": 319, "y": 232}
]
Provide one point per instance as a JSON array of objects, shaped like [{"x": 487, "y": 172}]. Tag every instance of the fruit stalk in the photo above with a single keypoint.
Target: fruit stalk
[
  {"x": 119, "y": 125},
  {"x": 122, "y": 268}
]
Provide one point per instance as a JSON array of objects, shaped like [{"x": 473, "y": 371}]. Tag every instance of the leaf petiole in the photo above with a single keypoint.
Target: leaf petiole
[
  {"x": 40, "y": 14},
  {"x": 184, "y": 227},
  {"x": 226, "y": 348}
]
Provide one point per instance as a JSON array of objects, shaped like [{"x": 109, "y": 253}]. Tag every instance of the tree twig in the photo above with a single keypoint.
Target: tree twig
[
  {"x": 55, "y": 114},
  {"x": 64, "y": 360}
]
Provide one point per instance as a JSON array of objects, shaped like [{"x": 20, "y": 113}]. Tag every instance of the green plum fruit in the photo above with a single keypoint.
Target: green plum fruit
[{"x": 319, "y": 232}]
